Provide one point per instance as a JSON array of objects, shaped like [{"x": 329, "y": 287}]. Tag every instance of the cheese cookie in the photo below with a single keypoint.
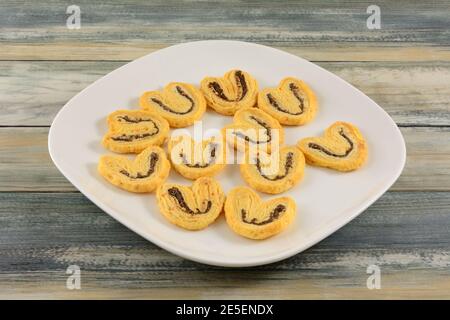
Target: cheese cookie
[
  {"x": 249, "y": 216},
  {"x": 274, "y": 173},
  {"x": 148, "y": 170},
  {"x": 181, "y": 104},
  {"x": 254, "y": 129},
  {"x": 236, "y": 90},
  {"x": 341, "y": 148},
  {"x": 291, "y": 103},
  {"x": 131, "y": 131},
  {"x": 191, "y": 208},
  {"x": 194, "y": 159}
]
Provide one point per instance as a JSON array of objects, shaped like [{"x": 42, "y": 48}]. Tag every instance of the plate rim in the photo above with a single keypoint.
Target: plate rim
[{"x": 325, "y": 230}]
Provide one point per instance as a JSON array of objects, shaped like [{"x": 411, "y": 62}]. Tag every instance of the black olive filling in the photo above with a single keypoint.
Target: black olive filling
[
  {"x": 153, "y": 159},
  {"x": 177, "y": 195},
  {"x": 274, "y": 215},
  {"x": 182, "y": 93},
  {"x": 315, "y": 146}
]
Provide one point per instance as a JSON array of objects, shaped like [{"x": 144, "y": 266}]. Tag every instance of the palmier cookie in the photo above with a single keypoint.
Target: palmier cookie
[
  {"x": 253, "y": 129},
  {"x": 291, "y": 103},
  {"x": 131, "y": 131},
  {"x": 181, "y": 104},
  {"x": 194, "y": 159},
  {"x": 191, "y": 208},
  {"x": 148, "y": 170},
  {"x": 274, "y": 173},
  {"x": 342, "y": 148},
  {"x": 249, "y": 216},
  {"x": 236, "y": 90}
]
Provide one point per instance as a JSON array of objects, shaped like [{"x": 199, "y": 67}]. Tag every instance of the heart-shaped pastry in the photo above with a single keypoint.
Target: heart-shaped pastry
[
  {"x": 291, "y": 103},
  {"x": 253, "y": 129},
  {"x": 131, "y": 131},
  {"x": 236, "y": 90},
  {"x": 181, "y": 104},
  {"x": 274, "y": 173},
  {"x": 342, "y": 148},
  {"x": 249, "y": 216},
  {"x": 191, "y": 208},
  {"x": 194, "y": 159},
  {"x": 149, "y": 169}
]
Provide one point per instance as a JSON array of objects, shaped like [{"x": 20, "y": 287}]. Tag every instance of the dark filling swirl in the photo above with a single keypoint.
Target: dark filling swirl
[
  {"x": 287, "y": 167},
  {"x": 262, "y": 124},
  {"x": 177, "y": 195},
  {"x": 315, "y": 146},
  {"x": 153, "y": 159},
  {"x": 131, "y": 137},
  {"x": 126, "y": 118},
  {"x": 295, "y": 91},
  {"x": 240, "y": 83},
  {"x": 182, "y": 93},
  {"x": 211, "y": 160},
  {"x": 274, "y": 214}
]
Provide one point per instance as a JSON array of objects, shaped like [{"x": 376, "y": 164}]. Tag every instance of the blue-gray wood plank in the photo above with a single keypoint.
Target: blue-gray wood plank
[
  {"x": 45, "y": 225},
  {"x": 405, "y": 233},
  {"x": 269, "y": 22}
]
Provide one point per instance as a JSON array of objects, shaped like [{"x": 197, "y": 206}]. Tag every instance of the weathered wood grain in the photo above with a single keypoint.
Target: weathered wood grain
[
  {"x": 412, "y": 93},
  {"x": 427, "y": 157},
  {"x": 271, "y": 22},
  {"x": 317, "y": 51},
  {"x": 255, "y": 285},
  {"x": 46, "y": 226},
  {"x": 315, "y": 30},
  {"x": 48, "y": 221},
  {"x": 404, "y": 233},
  {"x": 25, "y": 161},
  {"x": 26, "y": 166}
]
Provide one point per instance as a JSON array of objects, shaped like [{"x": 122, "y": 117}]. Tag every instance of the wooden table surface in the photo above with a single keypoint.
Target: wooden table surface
[{"x": 47, "y": 225}]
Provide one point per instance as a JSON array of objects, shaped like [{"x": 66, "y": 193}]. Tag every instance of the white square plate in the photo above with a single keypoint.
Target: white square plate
[{"x": 326, "y": 199}]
